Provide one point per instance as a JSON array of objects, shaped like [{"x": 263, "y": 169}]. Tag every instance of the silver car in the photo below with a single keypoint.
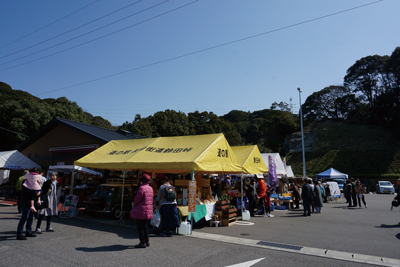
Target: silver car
[{"x": 384, "y": 187}]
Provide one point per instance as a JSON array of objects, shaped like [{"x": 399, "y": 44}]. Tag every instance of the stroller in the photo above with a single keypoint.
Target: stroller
[{"x": 395, "y": 203}]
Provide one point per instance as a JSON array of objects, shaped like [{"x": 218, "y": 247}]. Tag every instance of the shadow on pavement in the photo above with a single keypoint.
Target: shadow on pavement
[
  {"x": 8, "y": 235},
  {"x": 105, "y": 248},
  {"x": 388, "y": 226}
]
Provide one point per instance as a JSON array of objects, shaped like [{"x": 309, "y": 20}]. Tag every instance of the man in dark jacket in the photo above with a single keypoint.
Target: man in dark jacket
[
  {"x": 353, "y": 192},
  {"x": 307, "y": 196},
  {"x": 252, "y": 196},
  {"x": 347, "y": 192}
]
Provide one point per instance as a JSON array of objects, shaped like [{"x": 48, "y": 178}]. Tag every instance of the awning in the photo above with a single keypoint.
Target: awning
[
  {"x": 249, "y": 157},
  {"x": 74, "y": 168},
  {"x": 332, "y": 173},
  {"x": 201, "y": 153}
]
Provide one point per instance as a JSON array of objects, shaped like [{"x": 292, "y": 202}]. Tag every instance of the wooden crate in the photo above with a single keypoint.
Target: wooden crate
[
  {"x": 219, "y": 213},
  {"x": 228, "y": 215},
  {"x": 229, "y": 222},
  {"x": 220, "y": 208}
]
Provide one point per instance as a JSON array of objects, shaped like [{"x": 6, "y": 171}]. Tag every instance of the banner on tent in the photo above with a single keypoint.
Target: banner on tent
[
  {"x": 273, "y": 179},
  {"x": 192, "y": 196}
]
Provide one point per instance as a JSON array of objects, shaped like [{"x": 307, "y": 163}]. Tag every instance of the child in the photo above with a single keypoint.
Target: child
[
  {"x": 267, "y": 201},
  {"x": 33, "y": 182}
]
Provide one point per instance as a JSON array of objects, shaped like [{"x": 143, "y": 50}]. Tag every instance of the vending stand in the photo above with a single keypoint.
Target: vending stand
[{"x": 197, "y": 154}]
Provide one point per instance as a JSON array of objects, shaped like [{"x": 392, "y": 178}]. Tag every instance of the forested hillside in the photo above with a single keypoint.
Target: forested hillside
[{"x": 23, "y": 114}]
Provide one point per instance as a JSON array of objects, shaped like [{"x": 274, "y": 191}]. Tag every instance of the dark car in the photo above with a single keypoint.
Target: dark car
[{"x": 107, "y": 200}]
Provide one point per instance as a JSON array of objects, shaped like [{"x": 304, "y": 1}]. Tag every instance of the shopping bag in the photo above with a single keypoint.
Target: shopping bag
[{"x": 156, "y": 219}]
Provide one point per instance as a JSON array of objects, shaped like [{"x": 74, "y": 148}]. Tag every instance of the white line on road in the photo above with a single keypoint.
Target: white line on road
[
  {"x": 332, "y": 254},
  {"x": 246, "y": 264}
]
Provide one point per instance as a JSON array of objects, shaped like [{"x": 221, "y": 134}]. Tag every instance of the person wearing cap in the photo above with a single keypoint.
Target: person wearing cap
[{"x": 142, "y": 210}]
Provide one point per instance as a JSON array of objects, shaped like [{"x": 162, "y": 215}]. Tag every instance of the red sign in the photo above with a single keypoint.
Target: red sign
[{"x": 192, "y": 196}]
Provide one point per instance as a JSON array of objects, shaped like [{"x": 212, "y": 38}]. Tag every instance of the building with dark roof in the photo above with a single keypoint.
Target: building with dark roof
[{"x": 63, "y": 141}]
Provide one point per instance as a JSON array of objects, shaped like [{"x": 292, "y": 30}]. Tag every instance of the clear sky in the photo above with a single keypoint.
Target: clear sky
[{"x": 117, "y": 59}]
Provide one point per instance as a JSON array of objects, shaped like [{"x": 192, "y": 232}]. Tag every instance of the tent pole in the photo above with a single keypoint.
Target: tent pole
[
  {"x": 191, "y": 214},
  {"x": 122, "y": 213},
  {"x": 241, "y": 198},
  {"x": 71, "y": 190}
]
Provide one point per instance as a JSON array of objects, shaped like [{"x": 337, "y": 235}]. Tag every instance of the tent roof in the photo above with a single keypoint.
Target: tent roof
[
  {"x": 289, "y": 170},
  {"x": 16, "y": 158},
  {"x": 250, "y": 159},
  {"x": 74, "y": 168},
  {"x": 100, "y": 133},
  {"x": 201, "y": 153},
  {"x": 332, "y": 173},
  {"x": 280, "y": 168}
]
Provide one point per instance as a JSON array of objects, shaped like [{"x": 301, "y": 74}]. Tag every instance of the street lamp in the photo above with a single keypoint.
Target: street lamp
[{"x": 302, "y": 136}]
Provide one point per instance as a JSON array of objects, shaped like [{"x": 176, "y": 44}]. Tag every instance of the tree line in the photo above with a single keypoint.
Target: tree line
[{"x": 369, "y": 94}]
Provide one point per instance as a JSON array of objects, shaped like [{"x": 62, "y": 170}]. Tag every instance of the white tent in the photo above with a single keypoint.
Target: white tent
[
  {"x": 332, "y": 173},
  {"x": 280, "y": 168},
  {"x": 14, "y": 160},
  {"x": 72, "y": 169},
  {"x": 289, "y": 171}
]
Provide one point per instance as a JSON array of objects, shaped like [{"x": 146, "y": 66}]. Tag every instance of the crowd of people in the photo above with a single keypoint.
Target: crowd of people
[{"x": 353, "y": 190}]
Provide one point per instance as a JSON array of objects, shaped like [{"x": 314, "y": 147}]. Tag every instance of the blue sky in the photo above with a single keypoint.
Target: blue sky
[{"x": 187, "y": 55}]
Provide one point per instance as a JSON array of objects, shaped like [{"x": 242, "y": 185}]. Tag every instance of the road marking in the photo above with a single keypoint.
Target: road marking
[
  {"x": 324, "y": 253},
  {"x": 246, "y": 264},
  {"x": 244, "y": 223}
]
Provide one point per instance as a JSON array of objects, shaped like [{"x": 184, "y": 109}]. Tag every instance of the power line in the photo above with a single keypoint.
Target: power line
[
  {"x": 49, "y": 24},
  {"x": 101, "y": 37},
  {"x": 14, "y": 132},
  {"x": 209, "y": 48},
  {"x": 68, "y": 32}
]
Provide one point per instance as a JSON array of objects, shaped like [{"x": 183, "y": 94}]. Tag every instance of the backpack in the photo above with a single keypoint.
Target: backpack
[{"x": 169, "y": 193}]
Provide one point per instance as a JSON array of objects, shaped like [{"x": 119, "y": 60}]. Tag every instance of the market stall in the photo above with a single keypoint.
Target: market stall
[
  {"x": 251, "y": 161},
  {"x": 71, "y": 173},
  {"x": 12, "y": 164},
  {"x": 332, "y": 173},
  {"x": 15, "y": 161},
  {"x": 175, "y": 155}
]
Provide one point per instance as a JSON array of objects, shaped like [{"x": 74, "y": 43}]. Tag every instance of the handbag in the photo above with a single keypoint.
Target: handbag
[
  {"x": 395, "y": 203},
  {"x": 44, "y": 202}
]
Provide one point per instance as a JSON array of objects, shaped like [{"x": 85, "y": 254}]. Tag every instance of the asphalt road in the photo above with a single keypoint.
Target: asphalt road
[{"x": 85, "y": 241}]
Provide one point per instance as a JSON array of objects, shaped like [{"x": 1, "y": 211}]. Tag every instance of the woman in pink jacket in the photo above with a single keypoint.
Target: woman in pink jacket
[{"x": 143, "y": 210}]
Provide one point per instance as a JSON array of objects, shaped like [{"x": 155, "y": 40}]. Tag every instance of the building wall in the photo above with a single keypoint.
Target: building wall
[{"x": 59, "y": 136}]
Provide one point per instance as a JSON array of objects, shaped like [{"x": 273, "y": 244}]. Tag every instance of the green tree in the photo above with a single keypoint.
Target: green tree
[
  {"x": 332, "y": 102},
  {"x": 282, "y": 106}
]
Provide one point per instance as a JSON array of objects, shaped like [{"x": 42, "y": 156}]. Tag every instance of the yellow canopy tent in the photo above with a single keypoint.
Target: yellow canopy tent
[
  {"x": 249, "y": 157},
  {"x": 200, "y": 153},
  {"x": 196, "y": 153}
]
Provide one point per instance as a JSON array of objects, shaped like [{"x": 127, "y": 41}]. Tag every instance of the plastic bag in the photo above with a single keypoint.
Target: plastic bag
[{"x": 155, "y": 221}]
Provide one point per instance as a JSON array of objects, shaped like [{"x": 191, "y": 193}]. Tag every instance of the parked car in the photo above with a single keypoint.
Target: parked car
[
  {"x": 107, "y": 200},
  {"x": 384, "y": 187}
]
